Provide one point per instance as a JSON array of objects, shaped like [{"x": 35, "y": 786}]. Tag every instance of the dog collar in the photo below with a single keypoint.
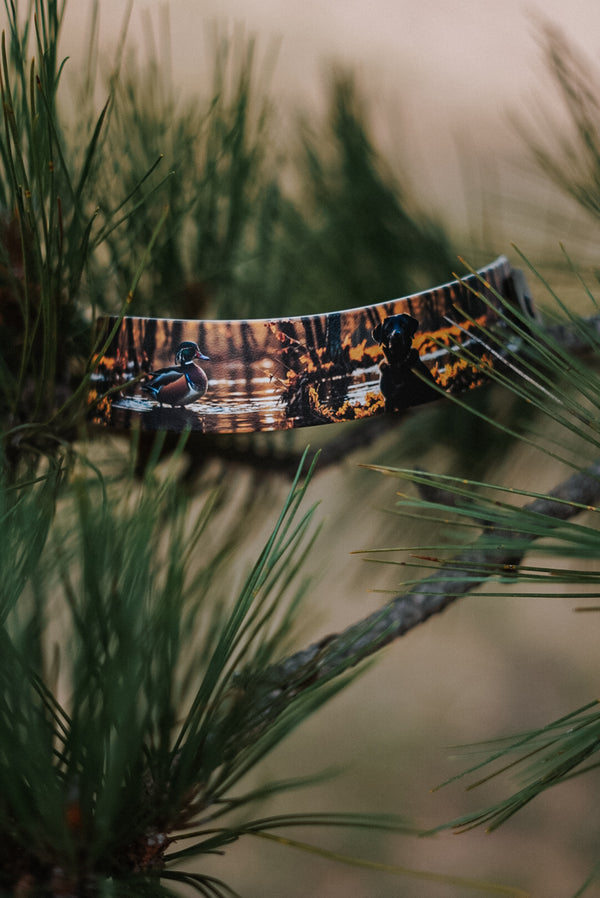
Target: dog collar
[{"x": 273, "y": 374}]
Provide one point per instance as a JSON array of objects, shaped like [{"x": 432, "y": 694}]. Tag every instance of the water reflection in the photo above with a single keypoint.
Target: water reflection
[{"x": 231, "y": 407}]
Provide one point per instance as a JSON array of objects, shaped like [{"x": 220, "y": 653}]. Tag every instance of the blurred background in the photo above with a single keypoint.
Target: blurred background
[
  {"x": 447, "y": 84},
  {"x": 446, "y": 90}
]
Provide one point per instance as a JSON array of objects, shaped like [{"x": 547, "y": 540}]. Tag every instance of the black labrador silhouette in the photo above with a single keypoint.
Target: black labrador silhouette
[{"x": 401, "y": 372}]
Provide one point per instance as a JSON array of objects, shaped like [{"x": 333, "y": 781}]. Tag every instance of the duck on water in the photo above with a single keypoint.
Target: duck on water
[{"x": 181, "y": 383}]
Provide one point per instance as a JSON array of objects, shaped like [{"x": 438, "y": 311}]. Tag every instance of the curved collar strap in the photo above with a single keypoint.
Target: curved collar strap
[{"x": 273, "y": 374}]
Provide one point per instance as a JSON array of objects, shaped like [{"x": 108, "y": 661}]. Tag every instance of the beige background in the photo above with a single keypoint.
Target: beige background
[{"x": 443, "y": 78}]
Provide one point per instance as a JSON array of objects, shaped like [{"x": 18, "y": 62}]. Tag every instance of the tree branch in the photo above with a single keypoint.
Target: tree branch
[{"x": 339, "y": 652}]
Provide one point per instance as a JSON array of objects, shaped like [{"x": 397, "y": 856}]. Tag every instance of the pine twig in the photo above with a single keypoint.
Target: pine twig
[{"x": 339, "y": 652}]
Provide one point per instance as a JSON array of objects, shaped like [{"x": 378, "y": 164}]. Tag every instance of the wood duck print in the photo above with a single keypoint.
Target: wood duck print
[{"x": 182, "y": 383}]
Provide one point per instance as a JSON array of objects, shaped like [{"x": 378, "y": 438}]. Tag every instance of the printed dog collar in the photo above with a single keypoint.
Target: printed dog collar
[{"x": 274, "y": 374}]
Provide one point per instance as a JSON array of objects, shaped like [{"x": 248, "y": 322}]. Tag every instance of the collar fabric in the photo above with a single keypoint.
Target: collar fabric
[{"x": 274, "y": 374}]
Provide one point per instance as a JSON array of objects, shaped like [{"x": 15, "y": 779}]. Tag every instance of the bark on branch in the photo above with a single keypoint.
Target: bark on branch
[{"x": 339, "y": 652}]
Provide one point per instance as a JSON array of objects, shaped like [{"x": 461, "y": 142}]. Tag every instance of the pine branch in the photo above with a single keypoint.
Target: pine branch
[
  {"x": 569, "y": 336},
  {"x": 283, "y": 682}
]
